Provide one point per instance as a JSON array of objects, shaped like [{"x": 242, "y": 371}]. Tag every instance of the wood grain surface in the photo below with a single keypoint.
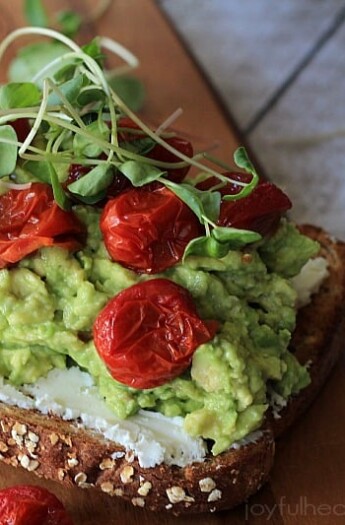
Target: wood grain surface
[{"x": 307, "y": 482}]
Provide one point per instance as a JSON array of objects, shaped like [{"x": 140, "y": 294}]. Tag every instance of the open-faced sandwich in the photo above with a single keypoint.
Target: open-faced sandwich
[{"x": 159, "y": 326}]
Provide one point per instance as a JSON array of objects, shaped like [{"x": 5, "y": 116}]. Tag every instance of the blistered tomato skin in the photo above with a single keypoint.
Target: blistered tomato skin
[
  {"x": 147, "y": 229},
  {"x": 148, "y": 333},
  {"x": 31, "y": 505},
  {"x": 260, "y": 211},
  {"x": 31, "y": 219}
]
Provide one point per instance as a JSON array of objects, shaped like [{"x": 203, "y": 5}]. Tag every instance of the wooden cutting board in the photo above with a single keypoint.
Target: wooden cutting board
[{"x": 307, "y": 482}]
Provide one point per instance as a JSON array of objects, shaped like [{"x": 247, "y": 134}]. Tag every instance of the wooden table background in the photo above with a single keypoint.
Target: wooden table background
[{"x": 308, "y": 479}]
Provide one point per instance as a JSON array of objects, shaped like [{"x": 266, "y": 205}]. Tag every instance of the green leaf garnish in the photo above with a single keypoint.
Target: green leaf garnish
[
  {"x": 205, "y": 247},
  {"x": 87, "y": 146},
  {"x": 242, "y": 161},
  {"x": 140, "y": 173},
  {"x": 23, "y": 66},
  {"x": 8, "y": 150},
  {"x": 59, "y": 195},
  {"x": 220, "y": 242},
  {"x": 19, "y": 95},
  {"x": 35, "y": 13},
  {"x": 69, "y": 89},
  {"x": 69, "y": 22},
  {"x": 94, "y": 182},
  {"x": 235, "y": 238}
]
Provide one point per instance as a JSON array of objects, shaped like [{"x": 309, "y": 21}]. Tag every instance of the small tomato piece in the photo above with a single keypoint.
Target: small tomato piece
[
  {"x": 31, "y": 219},
  {"x": 260, "y": 211},
  {"x": 31, "y": 505},
  {"x": 148, "y": 333},
  {"x": 147, "y": 229}
]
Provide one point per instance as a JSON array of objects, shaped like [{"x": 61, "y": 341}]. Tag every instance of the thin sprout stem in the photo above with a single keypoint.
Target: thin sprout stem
[
  {"x": 38, "y": 121},
  {"x": 73, "y": 113},
  {"x": 51, "y": 33},
  {"x": 119, "y": 50},
  {"x": 158, "y": 139}
]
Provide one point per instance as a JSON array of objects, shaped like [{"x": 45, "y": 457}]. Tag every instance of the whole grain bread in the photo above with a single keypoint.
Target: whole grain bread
[{"x": 59, "y": 450}]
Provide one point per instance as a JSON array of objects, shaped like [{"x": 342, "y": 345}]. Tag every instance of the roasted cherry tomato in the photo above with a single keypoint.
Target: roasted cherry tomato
[
  {"x": 22, "y": 128},
  {"x": 160, "y": 153},
  {"x": 147, "y": 334},
  {"x": 147, "y": 229},
  {"x": 260, "y": 211},
  {"x": 31, "y": 505},
  {"x": 31, "y": 219}
]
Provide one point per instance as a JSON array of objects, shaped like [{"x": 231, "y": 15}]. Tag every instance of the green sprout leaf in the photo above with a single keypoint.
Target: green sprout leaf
[
  {"x": 205, "y": 247},
  {"x": 94, "y": 182},
  {"x": 140, "y": 173},
  {"x": 242, "y": 161},
  {"x": 94, "y": 51},
  {"x": 69, "y": 89},
  {"x": 87, "y": 146},
  {"x": 59, "y": 194},
  {"x": 23, "y": 66},
  {"x": 8, "y": 152},
  {"x": 130, "y": 90},
  {"x": 235, "y": 238},
  {"x": 35, "y": 13},
  {"x": 69, "y": 22},
  {"x": 205, "y": 205},
  {"x": 19, "y": 95},
  {"x": 220, "y": 242}
]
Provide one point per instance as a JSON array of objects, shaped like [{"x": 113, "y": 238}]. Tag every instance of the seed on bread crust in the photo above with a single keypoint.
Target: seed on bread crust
[
  {"x": 138, "y": 502},
  {"x": 19, "y": 429},
  {"x": 107, "y": 463},
  {"x": 177, "y": 494},
  {"x": 3, "y": 447},
  {"x": 207, "y": 485},
  {"x": 107, "y": 487},
  {"x": 215, "y": 495},
  {"x": 54, "y": 438},
  {"x": 80, "y": 478},
  {"x": 127, "y": 474},
  {"x": 145, "y": 488},
  {"x": 72, "y": 462}
]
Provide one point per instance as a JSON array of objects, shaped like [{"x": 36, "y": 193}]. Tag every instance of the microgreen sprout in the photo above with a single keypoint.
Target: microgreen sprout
[{"x": 75, "y": 117}]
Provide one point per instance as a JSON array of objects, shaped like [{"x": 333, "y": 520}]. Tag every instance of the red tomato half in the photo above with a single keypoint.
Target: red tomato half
[
  {"x": 147, "y": 229},
  {"x": 31, "y": 505},
  {"x": 260, "y": 211},
  {"x": 31, "y": 219},
  {"x": 147, "y": 334}
]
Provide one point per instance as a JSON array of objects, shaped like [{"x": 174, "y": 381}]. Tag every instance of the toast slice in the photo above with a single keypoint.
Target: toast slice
[{"x": 58, "y": 450}]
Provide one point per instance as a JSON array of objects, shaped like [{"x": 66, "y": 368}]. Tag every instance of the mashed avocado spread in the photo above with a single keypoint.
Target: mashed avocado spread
[{"x": 49, "y": 301}]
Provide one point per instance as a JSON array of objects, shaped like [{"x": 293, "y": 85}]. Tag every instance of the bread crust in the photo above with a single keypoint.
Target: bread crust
[
  {"x": 59, "y": 450},
  {"x": 55, "y": 449}
]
